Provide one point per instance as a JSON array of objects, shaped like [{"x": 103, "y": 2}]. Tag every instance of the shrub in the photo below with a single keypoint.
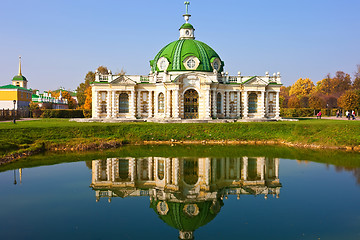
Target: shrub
[
  {"x": 87, "y": 113},
  {"x": 296, "y": 112},
  {"x": 62, "y": 113}
]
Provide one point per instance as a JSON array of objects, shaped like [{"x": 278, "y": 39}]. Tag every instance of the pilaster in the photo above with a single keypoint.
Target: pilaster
[
  {"x": 150, "y": 104},
  {"x": 238, "y": 104},
  {"x": 214, "y": 105},
  {"x": 245, "y": 102},
  {"x": 277, "y": 107},
  {"x": 227, "y": 100},
  {"x": 108, "y": 104}
]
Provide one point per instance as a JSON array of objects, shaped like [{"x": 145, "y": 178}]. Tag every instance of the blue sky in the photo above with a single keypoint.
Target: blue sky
[{"x": 61, "y": 40}]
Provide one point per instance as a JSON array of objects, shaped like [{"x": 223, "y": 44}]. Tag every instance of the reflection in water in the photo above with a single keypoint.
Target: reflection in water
[{"x": 186, "y": 193}]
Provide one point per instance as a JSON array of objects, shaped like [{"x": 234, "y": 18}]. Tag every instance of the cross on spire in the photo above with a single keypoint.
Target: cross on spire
[{"x": 187, "y": 3}]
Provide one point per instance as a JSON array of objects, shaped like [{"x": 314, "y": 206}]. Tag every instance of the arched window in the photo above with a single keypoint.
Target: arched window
[
  {"x": 218, "y": 103},
  {"x": 161, "y": 169},
  {"x": 161, "y": 103},
  {"x": 191, "y": 171},
  {"x": 253, "y": 103},
  {"x": 123, "y": 103}
]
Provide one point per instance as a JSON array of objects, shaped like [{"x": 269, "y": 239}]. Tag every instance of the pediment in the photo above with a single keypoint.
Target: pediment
[
  {"x": 257, "y": 81},
  {"x": 123, "y": 80}
]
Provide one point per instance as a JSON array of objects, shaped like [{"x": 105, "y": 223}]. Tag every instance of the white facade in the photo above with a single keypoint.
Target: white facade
[{"x": 166, "y": 95}]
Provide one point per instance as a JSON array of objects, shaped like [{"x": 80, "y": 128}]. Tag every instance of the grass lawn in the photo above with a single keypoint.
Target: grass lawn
[{"x": 52, "y": 132}]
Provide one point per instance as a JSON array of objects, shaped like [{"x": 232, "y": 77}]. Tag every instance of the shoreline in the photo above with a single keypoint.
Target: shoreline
[{"x": 113, "y": 144}]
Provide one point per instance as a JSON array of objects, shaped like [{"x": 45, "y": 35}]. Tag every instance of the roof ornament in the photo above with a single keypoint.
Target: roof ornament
[
  {"x": 187, "y": 15},
  {"x": 20, "y": 66}
]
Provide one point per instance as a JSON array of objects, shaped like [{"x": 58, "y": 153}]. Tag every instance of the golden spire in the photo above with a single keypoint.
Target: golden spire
[{"x": 20, "y": 66}]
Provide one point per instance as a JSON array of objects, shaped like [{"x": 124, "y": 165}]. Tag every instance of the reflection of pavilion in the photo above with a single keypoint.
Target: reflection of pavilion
[{"x": 186, "y": 193}]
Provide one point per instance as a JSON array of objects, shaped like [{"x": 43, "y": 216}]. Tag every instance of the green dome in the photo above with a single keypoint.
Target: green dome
[
  {"x": 177, "y": 218},
  {"x": 19, "y": 78},
  {"x": 177, "y": 52},
  {"x": 187, "y": 26}
]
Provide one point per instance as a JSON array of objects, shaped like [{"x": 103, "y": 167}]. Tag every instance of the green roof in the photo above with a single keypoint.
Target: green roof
[
  {"x": 19, "y": 78},
  {"x": 176, "y": 217},
  {"x": 10, "y": 86},
  {"x": 187, "y": 26},
  {"x": 176, "y": 52}
]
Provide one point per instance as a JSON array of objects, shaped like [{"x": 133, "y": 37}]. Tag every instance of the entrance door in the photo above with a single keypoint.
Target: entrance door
[{"x": 191, "y": 104}]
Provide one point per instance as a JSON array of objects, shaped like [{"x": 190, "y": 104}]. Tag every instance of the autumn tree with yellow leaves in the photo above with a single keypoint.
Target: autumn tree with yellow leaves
[{"x": 302, "y": 87}]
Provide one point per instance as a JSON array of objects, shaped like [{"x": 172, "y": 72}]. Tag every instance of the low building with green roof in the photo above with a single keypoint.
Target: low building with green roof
[{"x": 187, "y": 80}]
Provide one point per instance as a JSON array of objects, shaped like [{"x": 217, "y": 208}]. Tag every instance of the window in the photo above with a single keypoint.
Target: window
[
  {"x": 191, "y": 63},
  {"x": 218, "y": 103},
  {"x": 123, "y": 103},
  {"x": 103, "y": 102},
  {"x": 161, "y": 103},
  {"x": 216, "y": 65},
  {"x": 253, "y": 103}
]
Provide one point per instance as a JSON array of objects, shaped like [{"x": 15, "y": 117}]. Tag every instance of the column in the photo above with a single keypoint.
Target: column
[
  {"x": 207, "y": 171},
  {"x": 108, "y": 104},
  {"x": 213, "y": 168},
  {"x": 245, "y": 101},
  {"x": 132, "y": 104},
  {"x": 267, "y": 104},
  {"x": 176, "y": 103},
  {"x": 132, "y": 169},
  {"x": 150, "y": 168},
  {"x": 95, "y": 103},
  {"x": 139, "y": 104},
  {"x": 238, "y": 104},
  {"x": 156, "y": 101},
  {"x": 113, "y": 104},
  {"x": 227, "y": 171},
  {"x": 207, "y": 104},
  {"x": 223, "y": 103},
  {"x": 214, "y": 106},
  {"x": 167, "y": 171},
  {"x": 177, "y": 170},
  {"x": 167, "y": 104},
  {"x": 261, "y": 162},
  {"x": 227, "y": 113},
  {"x": 262, "y": 107},
  {"x": 245, "y": 168},
  {"x": 150, "y": 104},
  {"x": 277, "y": 107},
  {"x": 222, "y": 168},
  {"x": 238, "y": 168},
  {"x": 277, "y": 168}
]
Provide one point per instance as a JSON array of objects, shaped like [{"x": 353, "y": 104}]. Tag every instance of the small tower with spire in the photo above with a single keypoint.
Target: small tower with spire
[
  {"x": 19, "y": 80},
  {"x": 187, "y": 30}
]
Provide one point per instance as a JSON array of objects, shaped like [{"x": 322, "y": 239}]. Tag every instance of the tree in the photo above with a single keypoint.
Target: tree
[
  {"x": 65, "y": 95},
  {"x": 304, "y": 102},
  {"x": 350, "y": 100},
  {"x": 294, "y": 102},
  {"x": 103, "y": 70},
  {"x": 88, "y": 101},
  {"x": 356, "y": 83},
  {"x": 302, "y": 87},
  {"x": 316, "y": 101},
  {"x": 80, "y": 90},
  {"x": 324, "y": 86},
  {"x": 284, "y": 96}
]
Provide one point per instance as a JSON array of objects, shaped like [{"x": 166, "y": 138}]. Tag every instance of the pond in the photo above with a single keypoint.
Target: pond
[{"x": 183, "y": 192}]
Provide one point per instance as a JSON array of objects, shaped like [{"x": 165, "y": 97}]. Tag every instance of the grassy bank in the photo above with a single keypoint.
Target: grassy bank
[
  {"x": 62, "y": 134},
  {"x": 347, "y": 160}
]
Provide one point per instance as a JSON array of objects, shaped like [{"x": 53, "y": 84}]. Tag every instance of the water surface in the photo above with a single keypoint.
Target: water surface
[{"x": 201, "y": 192}]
